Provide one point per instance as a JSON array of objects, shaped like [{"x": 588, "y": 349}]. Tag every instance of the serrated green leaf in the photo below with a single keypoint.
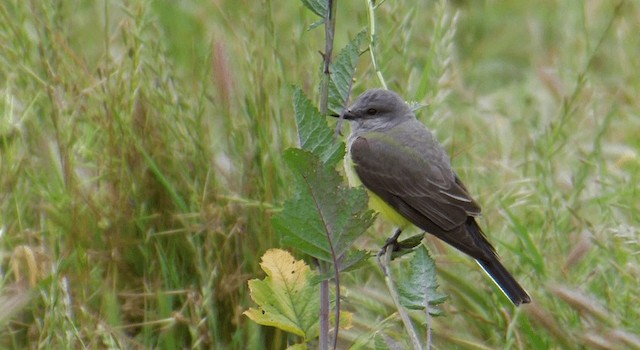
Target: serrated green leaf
[
  {"x": 286, "y": 297},
  {"x": 342, "y": 71},
  {"x": 319, "y": 7},
  {"x": 324, "y": 217},
  {"x": 313, "y": 133},
  {"x": 418, "y": 289},
  {"x": 353, "y": 260}
]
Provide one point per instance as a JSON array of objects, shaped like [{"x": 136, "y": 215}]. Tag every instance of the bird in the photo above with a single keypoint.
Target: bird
[{"x": 409, "y": 178}]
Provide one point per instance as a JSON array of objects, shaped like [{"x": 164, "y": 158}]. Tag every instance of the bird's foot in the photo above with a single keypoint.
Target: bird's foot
[
  {"x": 398, "y": 248},
  {"x": 391, "y": 242}
]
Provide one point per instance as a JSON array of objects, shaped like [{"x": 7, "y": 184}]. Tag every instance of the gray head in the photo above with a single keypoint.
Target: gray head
[{"x": 378, "y": 108}]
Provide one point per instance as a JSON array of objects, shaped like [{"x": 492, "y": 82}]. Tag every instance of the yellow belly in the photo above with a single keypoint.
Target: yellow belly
[{"x": 375, "y": 202}]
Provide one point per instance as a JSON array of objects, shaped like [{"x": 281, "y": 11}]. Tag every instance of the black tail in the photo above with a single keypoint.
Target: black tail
[
  {"x": 493, "y": 267},
  {"x": 505, "y": 281}
]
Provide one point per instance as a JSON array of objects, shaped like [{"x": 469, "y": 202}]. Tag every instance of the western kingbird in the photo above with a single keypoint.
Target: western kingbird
[{"x": 409, "y": 179}]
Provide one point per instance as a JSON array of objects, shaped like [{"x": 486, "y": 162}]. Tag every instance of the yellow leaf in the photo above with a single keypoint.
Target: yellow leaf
[{"x": 286, "y": 297}]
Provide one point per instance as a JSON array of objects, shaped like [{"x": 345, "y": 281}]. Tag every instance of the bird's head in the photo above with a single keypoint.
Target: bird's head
[{"x": 377, "y": 106}]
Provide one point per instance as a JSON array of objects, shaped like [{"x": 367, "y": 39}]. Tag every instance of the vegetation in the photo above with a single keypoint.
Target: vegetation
[{"x": 141, "y": 162}]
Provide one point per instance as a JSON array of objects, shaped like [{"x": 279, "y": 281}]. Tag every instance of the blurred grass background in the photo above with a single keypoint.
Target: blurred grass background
[{"x": 140, "y": 163}]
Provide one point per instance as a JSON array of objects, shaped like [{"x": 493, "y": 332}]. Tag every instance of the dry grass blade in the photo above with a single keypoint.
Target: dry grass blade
[
  {"x": 585, "y": 305},
  {"x": 548, "y": 322},
  {"x": 581, "y": 248}
]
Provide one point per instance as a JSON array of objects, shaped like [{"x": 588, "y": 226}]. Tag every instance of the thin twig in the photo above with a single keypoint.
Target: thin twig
[{"x": 408, "y": 326}]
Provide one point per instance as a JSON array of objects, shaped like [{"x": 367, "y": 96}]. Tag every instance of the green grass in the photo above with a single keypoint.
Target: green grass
[{"x": 140, "y": 163}]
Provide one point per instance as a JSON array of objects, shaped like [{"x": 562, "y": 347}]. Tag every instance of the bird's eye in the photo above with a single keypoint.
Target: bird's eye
[{"x": 371, "y": 111}]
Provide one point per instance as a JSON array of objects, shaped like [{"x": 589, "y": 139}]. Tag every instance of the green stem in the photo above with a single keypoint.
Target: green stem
[
  {"x": 372, "y": 39},
  {"x": 408, "y": 326}
]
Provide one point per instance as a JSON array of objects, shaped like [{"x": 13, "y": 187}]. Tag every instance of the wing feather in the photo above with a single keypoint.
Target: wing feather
[{"x": 415, "y": 169}]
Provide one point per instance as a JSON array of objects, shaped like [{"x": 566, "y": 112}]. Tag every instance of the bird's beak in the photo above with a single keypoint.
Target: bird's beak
[{"x": 346, "y": 114}]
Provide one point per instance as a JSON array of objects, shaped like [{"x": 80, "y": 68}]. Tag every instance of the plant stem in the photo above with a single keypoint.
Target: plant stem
[
  {"x": 324, "y": 311},
  {"x": 329, "y": 30},
  {"x": 415, "y": 341},
  {"x": 372, "y": 38}
]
